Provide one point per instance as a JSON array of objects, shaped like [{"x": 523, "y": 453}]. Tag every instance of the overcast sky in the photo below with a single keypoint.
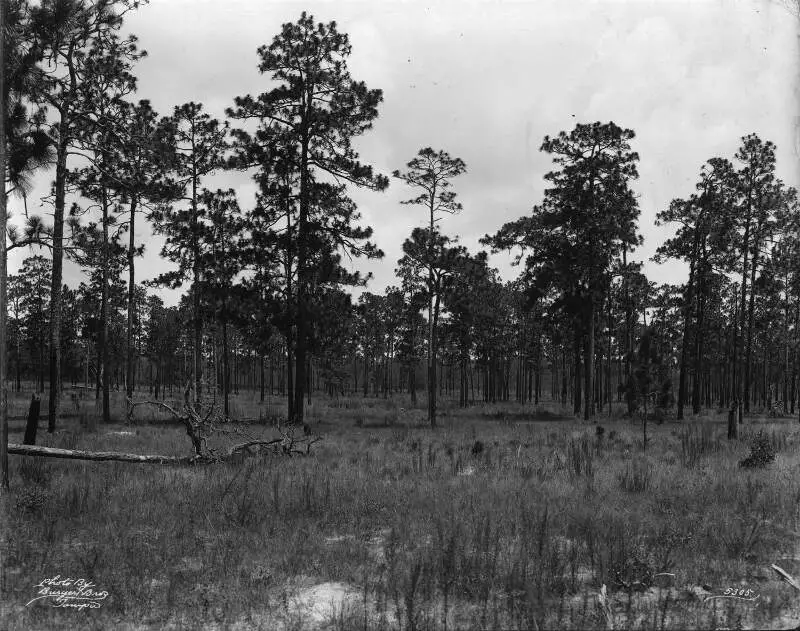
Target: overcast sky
[{"x": 486, "y": 81}]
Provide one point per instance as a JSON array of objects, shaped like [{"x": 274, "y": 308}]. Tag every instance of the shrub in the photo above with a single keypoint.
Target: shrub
[
  {"x": 762, "y": 452},
  {"x": 633, "y": 573},
  {"x": 31, "y": 499}
]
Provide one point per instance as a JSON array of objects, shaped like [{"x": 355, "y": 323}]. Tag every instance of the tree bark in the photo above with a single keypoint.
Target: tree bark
[
  {"x": 129, "y": 376},
  {"x": 302, "y": 281},
  {"x": 104, "y": 313},
  {"x": 687, "y": 319},
  {"x": 577, "y": 372},
  {"x": 699, "y": 337},
  {"x": 226, "y": 375},
  {"x": 588, "y": 364},
  {"x": 750, "y": 312},
  {"x": 55, "y": 286}
]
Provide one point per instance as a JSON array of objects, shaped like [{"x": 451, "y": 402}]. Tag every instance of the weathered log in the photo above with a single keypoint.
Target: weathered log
[{"x": 77, "y": 454}]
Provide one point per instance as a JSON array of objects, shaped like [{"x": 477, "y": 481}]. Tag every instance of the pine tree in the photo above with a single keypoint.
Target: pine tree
[
  {"x": 66, "y": 31},
  {"x": 220, "y": 255},
  {"x": 306, "y": 124},
  {"x": 198, "y": 144},
  {"x": 431, "y": 172},
  {"x": 586, "y": 221}
]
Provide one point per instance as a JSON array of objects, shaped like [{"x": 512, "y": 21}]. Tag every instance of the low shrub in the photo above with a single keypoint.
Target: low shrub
[{"x": 762, "y": 452}]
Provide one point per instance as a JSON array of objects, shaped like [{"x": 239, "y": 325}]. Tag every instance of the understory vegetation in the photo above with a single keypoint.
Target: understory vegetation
[{"x": 504, "y": 517}]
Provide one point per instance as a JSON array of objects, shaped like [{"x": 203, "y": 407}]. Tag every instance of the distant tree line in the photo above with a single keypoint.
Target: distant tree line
[{"x": 268, "y": 302}]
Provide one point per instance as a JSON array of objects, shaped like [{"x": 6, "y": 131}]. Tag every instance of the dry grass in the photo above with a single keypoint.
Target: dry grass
[{"x": 413, "y": 529}]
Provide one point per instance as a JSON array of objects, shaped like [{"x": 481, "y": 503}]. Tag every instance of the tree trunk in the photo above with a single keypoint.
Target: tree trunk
[
  {"x": 750, "y": 311},
  {"x": 104, "y": 312},
  {"x": 289, "y": 381},
  {"x": 129, "y": 376},
  {"x": 196, "y": 272},
  {"x": 261, "y": 372},
  {"x": 32, "y": 423},
  {"x": 742, "y": 315},
  {"x": 226, "y": 374},
  {"x": 628, "y": 315},
  {"x": 432, "y": 366},
  {"x": 588, "y": 364},
  {"x": 301, "y": 344},
  {"x": 55, "y": 287},
  {"x": 699, "y": 337},
  {"x": 687, "y": 319},
  {"x": 577, "y": 371},
  {"x": 431, "y": 355}
]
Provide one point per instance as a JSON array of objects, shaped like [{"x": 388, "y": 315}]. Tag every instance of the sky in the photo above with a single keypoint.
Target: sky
[{"x": 486, "y": 81}]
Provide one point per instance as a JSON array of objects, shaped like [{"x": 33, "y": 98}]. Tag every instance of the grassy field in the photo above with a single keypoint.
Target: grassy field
[{"x": 506, "y": 517}]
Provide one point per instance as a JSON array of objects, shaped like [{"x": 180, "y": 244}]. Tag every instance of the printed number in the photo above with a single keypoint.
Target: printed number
[{"x": 741, "y": 592}]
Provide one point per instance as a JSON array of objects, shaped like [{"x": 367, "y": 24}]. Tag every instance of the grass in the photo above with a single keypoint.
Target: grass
[{"x": 423, "y": 530}]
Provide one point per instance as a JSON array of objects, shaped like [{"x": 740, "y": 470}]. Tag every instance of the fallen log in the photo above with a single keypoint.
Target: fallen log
[{"x": 77, "y": 454}]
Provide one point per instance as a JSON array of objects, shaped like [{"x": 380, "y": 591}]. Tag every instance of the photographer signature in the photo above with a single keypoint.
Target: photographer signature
[{"x": 72, "y": 593}]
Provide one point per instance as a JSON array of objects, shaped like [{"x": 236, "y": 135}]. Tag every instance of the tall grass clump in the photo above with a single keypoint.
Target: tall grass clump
[
  {"x": 697, "y": 441},
  {"x": 637, "y": 476},
  {"x": 580, "y": 455}
]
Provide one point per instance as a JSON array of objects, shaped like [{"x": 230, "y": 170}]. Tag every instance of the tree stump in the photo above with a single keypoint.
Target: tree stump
[
  {"x": 32, "y": 423},
  {"x": 733, "y": 423}
]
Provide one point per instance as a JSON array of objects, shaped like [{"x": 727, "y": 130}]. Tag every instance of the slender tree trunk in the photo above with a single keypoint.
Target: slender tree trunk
[
  {"x": 129, "y": 377},
  {"x": 750, "y": 311},
  {"x": 742, "y": 316},
  {"x": 226, "y": 373},
  {"x": 104, "y": 311},
  {"x": 432, "y": 364},
  {"x": 699, "y": 337},
  {"x": 271, "y": 375},
  {"x": 794, "y": 354},
  {"x": 609, "y": 388},
  {"x": 687, "y": 319},
  {"x": 577, "y": 371},
  {"x": 302, "y": 283},
  {"x": 198, "y": 331},
  {"x": 55, "y": 286},
  {"x": 786, "y": 343},
  {"x": 289, "y": 380},
  {"x": 588, "y": 362},
  {"x": 261, "y": 382},
  {"x": 412, "y": 383},
  {"x": 628, "y": 318}
]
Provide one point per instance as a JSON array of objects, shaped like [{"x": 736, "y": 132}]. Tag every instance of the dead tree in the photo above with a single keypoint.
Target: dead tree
[{"x": 199, "y": 427}]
